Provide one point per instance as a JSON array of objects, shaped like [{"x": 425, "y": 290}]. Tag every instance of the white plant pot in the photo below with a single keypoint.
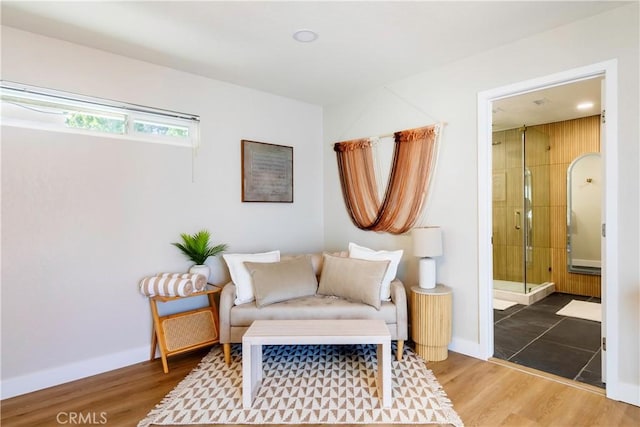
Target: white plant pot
[{"x": 201, "y": 269}]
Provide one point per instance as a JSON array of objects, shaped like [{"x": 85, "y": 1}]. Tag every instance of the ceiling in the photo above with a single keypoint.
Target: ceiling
[
  {"x": 361, "y": 45},
  {"x": 548, "y": 105}
]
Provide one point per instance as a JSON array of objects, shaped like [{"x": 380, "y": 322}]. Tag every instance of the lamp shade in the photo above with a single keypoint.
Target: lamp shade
[{"x": 427, "y": 241}]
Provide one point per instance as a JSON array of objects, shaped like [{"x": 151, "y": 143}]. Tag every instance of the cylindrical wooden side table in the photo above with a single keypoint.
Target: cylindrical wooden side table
[{"x": 431, "y": 321}]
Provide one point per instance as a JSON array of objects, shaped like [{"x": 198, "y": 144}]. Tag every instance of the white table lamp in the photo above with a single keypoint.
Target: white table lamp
[{"x": 427, "y": 244}]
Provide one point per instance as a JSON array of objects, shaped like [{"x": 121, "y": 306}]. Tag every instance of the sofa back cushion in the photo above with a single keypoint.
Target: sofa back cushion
[
  {"x": 354, "y": 279},
  {"x": 281, "y": 281},
  {"x": 316, "y": 259}
]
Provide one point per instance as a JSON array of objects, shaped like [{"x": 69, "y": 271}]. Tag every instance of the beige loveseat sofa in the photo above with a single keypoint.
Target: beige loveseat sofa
[{"x": 236, "y": 318}]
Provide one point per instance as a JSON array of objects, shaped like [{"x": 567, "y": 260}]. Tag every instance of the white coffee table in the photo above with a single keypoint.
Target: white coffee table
[{"x": 284, "y": 332}]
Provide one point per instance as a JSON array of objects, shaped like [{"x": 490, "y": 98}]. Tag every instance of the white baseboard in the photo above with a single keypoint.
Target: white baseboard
[
  {"x": 468, "y": 348},
  {"x": 39, "y": 380},
  {"x": 625, "y": 392}
]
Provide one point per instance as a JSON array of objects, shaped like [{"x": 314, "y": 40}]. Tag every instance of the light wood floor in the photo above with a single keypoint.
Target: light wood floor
[{"x": 483, "y": 394}]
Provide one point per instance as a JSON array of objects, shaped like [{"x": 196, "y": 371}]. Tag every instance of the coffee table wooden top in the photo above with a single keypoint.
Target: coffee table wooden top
[{"x": 318, "y": 331}]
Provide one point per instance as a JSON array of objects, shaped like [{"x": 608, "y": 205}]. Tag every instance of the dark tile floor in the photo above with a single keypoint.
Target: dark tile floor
[{"x": 536, "y": 337}]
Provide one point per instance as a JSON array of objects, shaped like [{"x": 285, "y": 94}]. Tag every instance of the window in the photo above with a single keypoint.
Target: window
[{"x": 34, "y": 107}]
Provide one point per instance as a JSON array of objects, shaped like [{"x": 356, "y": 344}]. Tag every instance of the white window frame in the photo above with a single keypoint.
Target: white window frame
[{"x": 131, "y": 114}]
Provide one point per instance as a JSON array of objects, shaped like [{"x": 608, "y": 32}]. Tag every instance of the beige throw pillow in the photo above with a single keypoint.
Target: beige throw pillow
[
  {"x": 281, "y": 281},
  {"x": 353, "y": 279},
  {"x": 241, "y": 277},
  {"x": 357, "y": 251}
]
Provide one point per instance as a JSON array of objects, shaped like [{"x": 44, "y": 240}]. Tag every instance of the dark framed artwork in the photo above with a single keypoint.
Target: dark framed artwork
[{"x": 267, "y": 172}]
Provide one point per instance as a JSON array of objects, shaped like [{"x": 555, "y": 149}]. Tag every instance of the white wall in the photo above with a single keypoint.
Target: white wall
[
  {"x": 450, "y": 94},
  {"x": 85, "y": 218}
]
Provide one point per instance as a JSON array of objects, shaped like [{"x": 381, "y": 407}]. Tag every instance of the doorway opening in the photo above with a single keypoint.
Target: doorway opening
[
  {"x": 530, "y": 223},
  {"x": 525, "y": 254}
]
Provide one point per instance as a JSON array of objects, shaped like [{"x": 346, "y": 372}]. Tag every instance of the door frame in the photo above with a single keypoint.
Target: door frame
[{"x": 607, "y": 69}]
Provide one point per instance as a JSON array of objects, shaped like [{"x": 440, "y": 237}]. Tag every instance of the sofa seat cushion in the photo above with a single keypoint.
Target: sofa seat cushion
[{"x": 311, "y": 307}]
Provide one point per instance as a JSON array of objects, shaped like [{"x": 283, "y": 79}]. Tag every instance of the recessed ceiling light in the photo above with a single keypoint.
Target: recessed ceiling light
[
  {"x": 305, "y": 36},
  {"x": 584, "y": 105},
  {"x": 541, "y": 101}
]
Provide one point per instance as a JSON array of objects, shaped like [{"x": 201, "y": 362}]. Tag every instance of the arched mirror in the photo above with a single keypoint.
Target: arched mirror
[{"x": 584, "y": 195}]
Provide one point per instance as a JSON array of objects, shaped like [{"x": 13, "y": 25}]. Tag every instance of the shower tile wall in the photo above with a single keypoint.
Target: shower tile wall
[{"x": 568, "y": 140}]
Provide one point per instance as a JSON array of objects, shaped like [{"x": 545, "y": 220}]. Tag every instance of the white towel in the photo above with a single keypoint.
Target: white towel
[
  {"x": 166, "y": 286},
  {"x": 499, "y": 304},
  {"x": 582, "y": 310},
  {"x": 199, "y": 281}
]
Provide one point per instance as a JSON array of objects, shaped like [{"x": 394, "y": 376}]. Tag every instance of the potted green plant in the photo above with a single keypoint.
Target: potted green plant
[{"x": 197, "y": 248}]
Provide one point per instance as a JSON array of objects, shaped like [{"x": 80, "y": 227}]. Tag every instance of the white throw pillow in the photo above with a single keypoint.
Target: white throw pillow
[
  {"x": 241, "y": 277},
  {"x": 356, "y": 251}
]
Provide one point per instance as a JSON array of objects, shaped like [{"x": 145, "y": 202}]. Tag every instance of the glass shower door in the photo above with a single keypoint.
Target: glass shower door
[
  {"x": 508, "y": 211},
  {"x": 536, "y": 209},
  {"x": 521, "y": 209}
]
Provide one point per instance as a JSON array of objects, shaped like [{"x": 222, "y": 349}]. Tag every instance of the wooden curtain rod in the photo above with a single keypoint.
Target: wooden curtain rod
[
  {"x": 386, "y": 135},
  {"x": 391, "y": 135}
]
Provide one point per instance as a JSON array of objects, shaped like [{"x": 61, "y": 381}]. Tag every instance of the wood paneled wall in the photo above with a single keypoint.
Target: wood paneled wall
[
  {"x": 548, "y": 160},
  {"x": 568, "y": 139}
]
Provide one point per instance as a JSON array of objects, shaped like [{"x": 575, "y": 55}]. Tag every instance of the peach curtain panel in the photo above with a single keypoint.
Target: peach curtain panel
[{"x": 406, "y": 192}]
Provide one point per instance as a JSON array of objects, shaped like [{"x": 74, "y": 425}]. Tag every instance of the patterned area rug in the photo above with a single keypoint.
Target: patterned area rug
[{"x": 306, "y": 385}]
